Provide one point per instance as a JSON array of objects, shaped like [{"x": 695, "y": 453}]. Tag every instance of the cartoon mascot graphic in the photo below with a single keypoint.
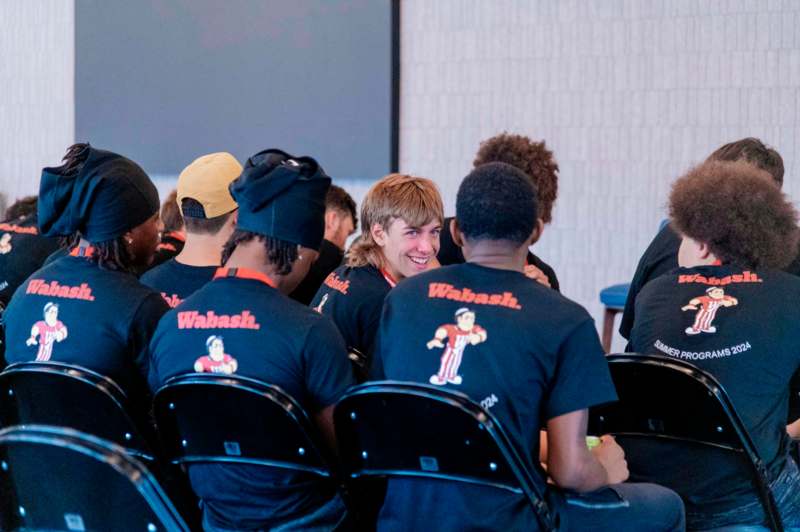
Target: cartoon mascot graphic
[
  {"x": 709, "y": 304},
  {"x": 217, "y": 361},
  {"x": 5, "y": 243},
  {"x": 49, "y": 331},
  {"x": 458, "y": 336}
]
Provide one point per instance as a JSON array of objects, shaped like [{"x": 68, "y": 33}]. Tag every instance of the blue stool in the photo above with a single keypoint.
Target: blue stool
[{"x": 613, "y": 297}]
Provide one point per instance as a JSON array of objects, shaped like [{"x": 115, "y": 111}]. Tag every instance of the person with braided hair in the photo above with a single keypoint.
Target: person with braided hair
[{"x": 109, "y": 207}]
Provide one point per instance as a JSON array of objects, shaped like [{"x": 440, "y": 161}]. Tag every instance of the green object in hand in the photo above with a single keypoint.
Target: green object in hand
[{"x": 592, "y": 442}]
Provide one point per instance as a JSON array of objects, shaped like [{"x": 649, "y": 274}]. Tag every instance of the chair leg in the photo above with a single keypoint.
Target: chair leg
[{"x": 608, "y": 328}]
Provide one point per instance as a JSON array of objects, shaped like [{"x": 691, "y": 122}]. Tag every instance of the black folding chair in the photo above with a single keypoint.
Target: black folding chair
[
  {"x": 53, "y": 478},
  {"x": 219, "y": 418},
  {"x": 57, "y": 394},
  {"x": 665, "y": 401},
  {"x": 389, "y": 428}
]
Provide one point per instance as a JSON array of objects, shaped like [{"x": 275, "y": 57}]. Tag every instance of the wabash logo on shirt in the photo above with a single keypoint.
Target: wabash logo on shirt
[
  {"x": 54, "y": 289},
  {"x": 335, "y": 282},
  {"x": 217, "y": 360},
  {"x": 45, "y": 333},
  {"x": 5, "y": 243},
  {"x": 191, "y": 319},
  {"x": 14, "y": 228},
  {"x": 173, "y": 300},
  {"x": 744, "y": 277},
  {"x": 465, "y": 295}
]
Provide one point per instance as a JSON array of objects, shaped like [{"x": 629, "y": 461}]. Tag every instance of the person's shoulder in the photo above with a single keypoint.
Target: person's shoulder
[{"x": 156, "y": 272}]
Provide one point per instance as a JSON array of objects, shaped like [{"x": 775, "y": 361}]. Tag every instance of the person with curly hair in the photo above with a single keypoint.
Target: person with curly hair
[
  {"x": 110, "y": 206},
  {"x": 731, "y": 311},
  {"x": 661, "y": 256},
  {"x": 539, "y": 164},
  {"x": 268, "y": 337}
]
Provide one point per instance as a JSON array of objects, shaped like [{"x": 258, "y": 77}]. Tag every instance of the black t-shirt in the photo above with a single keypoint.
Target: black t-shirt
[
  {"x": 450, "y": 253},
  {"x": 171, "y": 244},
  {"x": 239, "y": 324},
  {"x": 330, "y": 258},
  {"x": 176, "y": 281},
  {"x": 741, "y": 327},
  {"x": 660, "y": 257},
  {"x": 353, "y": 298},
  {"x": 523, "y": 351},
  {"x": 22, "y": 251},
  {"x": 75, "y": 312}
]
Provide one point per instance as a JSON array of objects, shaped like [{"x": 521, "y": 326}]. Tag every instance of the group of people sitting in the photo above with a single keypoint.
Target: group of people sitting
[{"x": 252, "y": 279}]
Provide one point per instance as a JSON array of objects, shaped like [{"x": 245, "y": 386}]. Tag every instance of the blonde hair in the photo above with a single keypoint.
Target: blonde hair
[{"x": 414, "y": 199}]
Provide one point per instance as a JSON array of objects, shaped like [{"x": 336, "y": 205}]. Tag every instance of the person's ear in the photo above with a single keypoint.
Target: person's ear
[
  {"x": 456, "y": 234},
  {"x": 536, "y": 234},
  {"x": 378, "y": 234},
  {"x": 704, "y": 251},
  {"x": 332, "y": 220}
]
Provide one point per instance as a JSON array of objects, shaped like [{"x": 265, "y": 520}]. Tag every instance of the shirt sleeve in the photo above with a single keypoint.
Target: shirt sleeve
[
  {"x": 144, "y": 324},
  {"x": 328, "y": 371},
  {"x": 582, "y": 378}
]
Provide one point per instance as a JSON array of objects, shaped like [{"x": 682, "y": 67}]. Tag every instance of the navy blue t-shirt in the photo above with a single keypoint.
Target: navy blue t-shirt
[
  {"x": 353, "y": 297},
  {"x": 239, "y": 324},
  {"x": 22, "y": 251},
  {"x": 176, "y": 281},
  {"x": 523, "y": 351},
  {"x": 741, "y": 327},
  {"x": 75, "y": 312}
]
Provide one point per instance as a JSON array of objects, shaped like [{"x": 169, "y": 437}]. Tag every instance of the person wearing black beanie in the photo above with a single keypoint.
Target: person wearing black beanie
[
  {"x": 88, "y": 308},
  {"x": 242, "y": 323}
]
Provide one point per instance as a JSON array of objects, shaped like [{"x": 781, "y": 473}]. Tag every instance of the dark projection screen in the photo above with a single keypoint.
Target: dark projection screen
[{"x": 165, "y": 81}]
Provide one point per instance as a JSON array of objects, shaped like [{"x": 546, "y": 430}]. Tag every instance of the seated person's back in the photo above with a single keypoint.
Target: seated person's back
[
  {"x": 729, "y": 311},
  {"x": 527, "y": 354},
  {"x": 208, "y": 213},
  {"x": 89, "y": 309},
  {"x": 241, "y": 323}
]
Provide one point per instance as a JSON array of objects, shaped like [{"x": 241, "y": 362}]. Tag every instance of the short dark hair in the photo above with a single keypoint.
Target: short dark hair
[
  {"x": 22, "y": 208},
  {"x": 280, "y": 253},
  {"x": 736, "y": 210},
  {"x": 755, "y": 152},
  {"x": 206, "y": 226},
  {"x": 496, "y": 201},
  {"x": 338, "y": 199},
  {"x": 531, "y": 157},
  {"x": 171, "y": 214}
]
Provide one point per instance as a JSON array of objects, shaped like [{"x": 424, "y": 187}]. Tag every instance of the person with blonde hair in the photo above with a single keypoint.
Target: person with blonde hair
[{"x": 401, "y": 219}]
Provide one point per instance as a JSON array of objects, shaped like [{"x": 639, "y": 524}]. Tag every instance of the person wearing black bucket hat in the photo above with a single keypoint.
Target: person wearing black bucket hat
[
  {"x": 242, "y": 323},
  {"x": 105, "y": 317}
]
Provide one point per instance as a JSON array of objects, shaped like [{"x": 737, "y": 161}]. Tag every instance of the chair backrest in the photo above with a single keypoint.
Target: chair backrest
[
  {"x": 665, "y": 399},
  {"x": 53, "y": 393},
  {"x": 392, "y": 428},
  {"x": 220, "y": 418},
  {"x": 53, "y": 478}
]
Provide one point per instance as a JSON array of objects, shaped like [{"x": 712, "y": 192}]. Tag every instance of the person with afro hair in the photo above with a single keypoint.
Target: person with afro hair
[
  {"x": 661, "y": 256},
  {"x": 731, "y": 311},
  {"x": 538, "y": 163}
]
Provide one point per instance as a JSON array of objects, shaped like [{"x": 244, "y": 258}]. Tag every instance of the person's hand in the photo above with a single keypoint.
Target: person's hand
[
  {"x": 435, "y": 343},
  {"x": 532, "y": 272},
  {"x": 612, "y": 458}
]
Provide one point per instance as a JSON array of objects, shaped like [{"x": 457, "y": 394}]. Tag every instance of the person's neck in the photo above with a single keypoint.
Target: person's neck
[
  {"x": 496, "y": 254},
  {"x": 252, "y": 256},
  {"x": 201, "y": 250}
]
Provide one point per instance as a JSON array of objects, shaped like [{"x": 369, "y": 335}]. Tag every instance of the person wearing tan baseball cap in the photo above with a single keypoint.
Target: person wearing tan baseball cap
[{"x": 209, "y": 213}]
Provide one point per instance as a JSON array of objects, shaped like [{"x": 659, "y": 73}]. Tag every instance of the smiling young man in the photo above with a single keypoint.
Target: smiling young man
[{"x": 401, "y": 218}]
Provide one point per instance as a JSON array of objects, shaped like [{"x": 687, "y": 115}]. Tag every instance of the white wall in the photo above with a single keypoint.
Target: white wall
[
  {"x": 627, "y": 93},
  {"x": 37, "y": 100}
]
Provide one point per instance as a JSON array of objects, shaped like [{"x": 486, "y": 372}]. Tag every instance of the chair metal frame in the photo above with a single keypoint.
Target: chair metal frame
[
  {"x": 598, "y": 423},
  {"x": 114, "y": 456},
  {"x": 312, "y": 447},
  {"x": 461, "y": 405},
  {"x": 132, "y": 440}
]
